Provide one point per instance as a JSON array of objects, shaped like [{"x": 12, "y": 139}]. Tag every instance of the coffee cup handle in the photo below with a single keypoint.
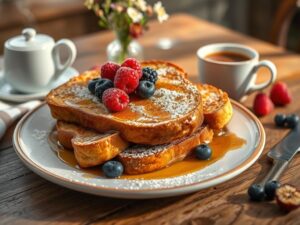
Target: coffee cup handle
[
  {"x": 71, "y": 50},
  {"x": 268, "y": 64}
]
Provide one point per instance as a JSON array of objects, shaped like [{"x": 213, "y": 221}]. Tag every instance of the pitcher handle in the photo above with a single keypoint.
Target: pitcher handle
[{"x": 71, "y": 49}]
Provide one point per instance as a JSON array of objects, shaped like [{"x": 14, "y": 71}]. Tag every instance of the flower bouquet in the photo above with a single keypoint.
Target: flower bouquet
[{"x": 128, "y": 19}]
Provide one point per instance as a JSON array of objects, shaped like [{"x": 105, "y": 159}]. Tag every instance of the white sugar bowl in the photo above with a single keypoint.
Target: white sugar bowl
[{"x": 32, "y": 61}]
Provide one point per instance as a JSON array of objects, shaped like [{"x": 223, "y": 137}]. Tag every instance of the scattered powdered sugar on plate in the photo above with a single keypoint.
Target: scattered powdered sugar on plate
[
  {"x": 154, "y": 184},
  {"x": 40, "y": 135},
  {"x": 187, "y": 179}
]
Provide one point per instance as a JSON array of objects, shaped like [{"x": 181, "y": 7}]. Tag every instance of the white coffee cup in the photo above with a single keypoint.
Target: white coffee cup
[
  {"x": 237, "y": 78},
  {"x": 32, "y": 61}
]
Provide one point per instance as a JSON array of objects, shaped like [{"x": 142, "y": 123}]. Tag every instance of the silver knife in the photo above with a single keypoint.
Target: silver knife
[{"x": 282, "y": 154}]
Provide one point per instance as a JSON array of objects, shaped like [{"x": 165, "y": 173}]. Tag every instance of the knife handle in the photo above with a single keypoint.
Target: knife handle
[{"x": 277, "y": 169}]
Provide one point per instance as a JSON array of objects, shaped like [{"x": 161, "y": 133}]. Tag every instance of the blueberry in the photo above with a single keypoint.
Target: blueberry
[
  {"x": 92, "y": 85},
  {"x": 256, "y": 192},
  {"x": 280, "y": 120},
  {"x": 292, "y": 121},
  {"x": 112, "y": 169},
  {"x": 145, "y": 89},
  {"x": 270, "y": 189},
  {"x": 149, "y": 74},
  {"x": 101, "y": 86},
  {"x": 203, "y": 152}
]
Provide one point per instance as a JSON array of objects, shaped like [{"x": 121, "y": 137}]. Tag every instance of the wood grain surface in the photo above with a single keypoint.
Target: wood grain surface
[{"x": 25, "y": 198}]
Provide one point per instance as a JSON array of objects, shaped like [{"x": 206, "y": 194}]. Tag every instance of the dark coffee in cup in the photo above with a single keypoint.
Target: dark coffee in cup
[{"x": 226, "y": 56}]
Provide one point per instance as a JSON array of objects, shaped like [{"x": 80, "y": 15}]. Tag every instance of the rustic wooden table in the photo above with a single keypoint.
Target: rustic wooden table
[{"x": 25, "y": 198}]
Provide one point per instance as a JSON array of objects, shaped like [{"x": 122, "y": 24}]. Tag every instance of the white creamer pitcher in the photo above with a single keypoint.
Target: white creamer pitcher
[{"x": 32, "y": 61}]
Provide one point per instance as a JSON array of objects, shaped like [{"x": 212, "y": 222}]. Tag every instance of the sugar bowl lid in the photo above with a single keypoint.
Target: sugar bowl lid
[{"x": 29, "y": 41}]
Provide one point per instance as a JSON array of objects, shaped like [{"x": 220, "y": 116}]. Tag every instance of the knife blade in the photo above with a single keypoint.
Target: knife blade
[
  {"x": 282, "y": 154},
  {"x": 288, "y": 147}
]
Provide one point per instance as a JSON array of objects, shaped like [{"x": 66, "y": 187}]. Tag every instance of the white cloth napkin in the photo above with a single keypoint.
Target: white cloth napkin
[{"x": 8, "y": 115}]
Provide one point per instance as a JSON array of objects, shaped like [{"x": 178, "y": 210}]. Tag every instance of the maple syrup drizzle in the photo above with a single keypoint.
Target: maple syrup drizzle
[{"x": 220, "y": 145}]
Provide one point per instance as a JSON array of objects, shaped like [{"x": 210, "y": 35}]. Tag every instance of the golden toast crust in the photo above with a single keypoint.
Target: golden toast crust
[
  {"x": 145, "y": 159},
  {"x": 217, "y": 108},
  {"x": 173, "y": 112},
  {"x": 90, "y": 148}
]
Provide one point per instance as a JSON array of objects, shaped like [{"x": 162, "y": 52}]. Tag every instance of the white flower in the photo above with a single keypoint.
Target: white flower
[
  {"x": 89, "y": 3},
  {"x": 161, "y": 12},
  {"x": 134, "y": 14},
  {"x": 141, "y": 4}
]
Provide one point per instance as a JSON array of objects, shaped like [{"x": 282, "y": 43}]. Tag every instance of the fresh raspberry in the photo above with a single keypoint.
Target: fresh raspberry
[
  {"x": 262, "y": 105},
  {"x": 133, "y": 64},
  {"x": 115, "y": 99},
  {"x": 109, "y": 70},
  {"x": 280, "y": 94},
  {"x": 126, "y": 79}
]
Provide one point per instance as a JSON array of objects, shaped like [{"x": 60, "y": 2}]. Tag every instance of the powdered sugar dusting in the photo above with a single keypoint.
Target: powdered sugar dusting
[
  {"x": 163, "y": 71},
  {"x": 211, "y": 100},
  {"x": 173, "y": 102},
  {"x": 81, "y": 92},
  {"x": 141, "y": 151}
]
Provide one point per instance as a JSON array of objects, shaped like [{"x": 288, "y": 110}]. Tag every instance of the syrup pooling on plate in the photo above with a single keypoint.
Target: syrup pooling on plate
[{"x": 220, "y": 145}]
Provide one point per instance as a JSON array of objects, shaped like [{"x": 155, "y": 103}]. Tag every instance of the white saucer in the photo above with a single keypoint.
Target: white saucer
[
  {"x": 7, "y": 92},
  {"x": 31, "y": 144}
]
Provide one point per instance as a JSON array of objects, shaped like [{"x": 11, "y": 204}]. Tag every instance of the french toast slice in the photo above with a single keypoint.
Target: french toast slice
[
  {"x": 174, "y": 111},
  {"x": 90, "y": 148},
  {"x": 141, "y": 159},
  {"x": 217, "y": 108}
]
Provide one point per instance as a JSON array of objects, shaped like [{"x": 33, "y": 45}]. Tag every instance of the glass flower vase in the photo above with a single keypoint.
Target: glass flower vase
[{"x": 117, "y": 51}]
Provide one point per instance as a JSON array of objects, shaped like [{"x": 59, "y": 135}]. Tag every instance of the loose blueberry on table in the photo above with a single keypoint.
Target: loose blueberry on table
[
  {"x": 292, "y": 121},
  {"x": 280, "y": 120},
  {"x": 256, "y": 192},
  {"x": 270, "y": 189}
]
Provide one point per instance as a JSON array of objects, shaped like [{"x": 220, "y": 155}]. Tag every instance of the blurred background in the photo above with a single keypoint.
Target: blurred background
[{"x": 276, "y": 21}]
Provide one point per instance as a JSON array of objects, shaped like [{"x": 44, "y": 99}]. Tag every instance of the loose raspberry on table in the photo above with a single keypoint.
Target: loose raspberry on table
[
  {"x": 262, "y": 105},
  {"x": 115, "y": 99},
  {"x": 280, "y": 94},
  {"x": 109, "y": 70},
  {"x": 126, "y": 79},
  {"x": 133, "y": 64}
]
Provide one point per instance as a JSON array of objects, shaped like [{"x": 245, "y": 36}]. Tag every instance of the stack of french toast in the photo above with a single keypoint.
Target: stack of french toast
[{"x": 150, "y": 133}]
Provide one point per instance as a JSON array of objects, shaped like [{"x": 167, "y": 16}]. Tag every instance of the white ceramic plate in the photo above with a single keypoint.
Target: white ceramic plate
[
  {"x": 30, "y": 142},
  {"x": 7, "y": 92}
]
